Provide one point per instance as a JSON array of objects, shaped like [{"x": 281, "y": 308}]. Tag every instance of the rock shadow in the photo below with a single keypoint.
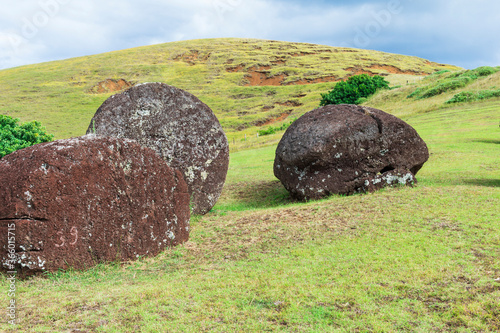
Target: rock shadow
[
  {"x": 487, "y": 141},
  {"x": 256, "y": 195},
  {"x": 483, "y": 182}
]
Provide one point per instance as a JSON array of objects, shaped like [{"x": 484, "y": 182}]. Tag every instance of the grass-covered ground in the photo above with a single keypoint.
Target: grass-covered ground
[{"x": 421, "y": 259}]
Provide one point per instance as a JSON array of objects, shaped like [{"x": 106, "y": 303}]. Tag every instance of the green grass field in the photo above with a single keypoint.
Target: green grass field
[{"x": 420, "y": 259}]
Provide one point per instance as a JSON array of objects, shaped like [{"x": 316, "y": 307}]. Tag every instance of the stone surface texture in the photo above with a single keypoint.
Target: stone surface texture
[
  {"x": 344, "y": 149},
  {"x": 179, "y": 127},
  {"x": 82, "y": 201}
]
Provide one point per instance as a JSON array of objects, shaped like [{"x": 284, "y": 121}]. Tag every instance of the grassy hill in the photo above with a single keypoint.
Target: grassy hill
[
  {"x": 248, "y": 83},
  {"x": 421, "y": 259}
]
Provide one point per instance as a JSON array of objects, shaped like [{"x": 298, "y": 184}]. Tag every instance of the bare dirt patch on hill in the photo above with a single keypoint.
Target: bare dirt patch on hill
[
  {"x": 273, "y": 120},
  {"x": 261, "y": 76},
  {"x": 331, "y": 78},
  {"x": 390, "y": 69},
  {"x": 282, "y": 117},
  {"x": 110, "y": 85}
]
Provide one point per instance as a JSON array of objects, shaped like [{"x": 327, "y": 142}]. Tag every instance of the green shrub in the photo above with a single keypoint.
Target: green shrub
[
  {"x": 467, "y": 96},
  {"x": 417, "y": 92},
  {"x": 451, "y": 82},
  {"x": 446, "y": 86},
  {"x": 355, "y": 88},
  {"x": 275, "y": 129},
  {"x": 14, "y": 136},
  {"x": 476, "y": 73},
  {"x": 464, "y": 96},
  {"x": 485, "y": 71},
  {"x": 361, "y": 100},
  {"x": 441, "y": 72}
]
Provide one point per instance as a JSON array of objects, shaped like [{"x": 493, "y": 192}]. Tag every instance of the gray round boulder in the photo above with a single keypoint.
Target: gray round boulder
[
  {"x": 179, "y": 127},
  {"x": 344, "y": 149}
]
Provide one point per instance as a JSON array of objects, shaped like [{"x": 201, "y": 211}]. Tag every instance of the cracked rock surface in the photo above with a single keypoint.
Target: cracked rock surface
[
  {"x": 82, "y": 201},
  {"x": 345, "y": 149},
  {"x": 179, "y": 127}
]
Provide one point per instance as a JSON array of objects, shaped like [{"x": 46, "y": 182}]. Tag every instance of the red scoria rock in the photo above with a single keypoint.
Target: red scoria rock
[
  {"x": 179, "y": 127},
  {"x": 344, "y": 149},
  {"x": 82, "y": 201}
]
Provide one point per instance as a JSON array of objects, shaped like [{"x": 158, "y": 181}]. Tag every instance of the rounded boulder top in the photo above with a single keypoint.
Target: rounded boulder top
[
  {"x": 344, "y": 149},
  {"x": 179, "y": 127}
]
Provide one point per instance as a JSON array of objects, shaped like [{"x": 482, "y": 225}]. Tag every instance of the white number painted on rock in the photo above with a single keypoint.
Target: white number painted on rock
[{"x": 73, "y": 232}]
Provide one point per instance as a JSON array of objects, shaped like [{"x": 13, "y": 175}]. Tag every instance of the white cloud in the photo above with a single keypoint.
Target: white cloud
[
  {"x": 461, "y": 32},
  {"x": 15, "y": 50}
]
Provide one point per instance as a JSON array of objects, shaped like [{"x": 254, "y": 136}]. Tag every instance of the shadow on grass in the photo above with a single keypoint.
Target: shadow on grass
[
  {"x": 467, "y": 182},
  {"x": 483, "y": 182},
  {"x": 255, "y": 195},
  {"x": 487, "y": 141}
]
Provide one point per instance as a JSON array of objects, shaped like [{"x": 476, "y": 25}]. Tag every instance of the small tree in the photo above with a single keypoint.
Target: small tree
[
  {"x": 14, "y": 136},
  {"x": 355, "y": 88}
]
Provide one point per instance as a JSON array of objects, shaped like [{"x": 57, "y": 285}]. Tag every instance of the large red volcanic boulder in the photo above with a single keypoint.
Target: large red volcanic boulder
[
  {"x": 344, "y": 149},
  {"x": 179, "y": 127},
  {"x": 78, "y": 202}
]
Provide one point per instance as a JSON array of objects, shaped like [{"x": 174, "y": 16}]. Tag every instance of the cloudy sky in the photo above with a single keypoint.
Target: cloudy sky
[{"x": 459, "y": 32}]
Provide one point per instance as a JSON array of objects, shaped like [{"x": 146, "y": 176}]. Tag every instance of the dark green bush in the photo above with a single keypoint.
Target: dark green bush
[
  {"x": 14, "y": 136},
  {"x": 355, "y": 88}
]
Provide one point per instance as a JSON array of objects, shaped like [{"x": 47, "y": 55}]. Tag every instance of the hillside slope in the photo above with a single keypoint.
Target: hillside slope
[{"x": 247, "y": 82}]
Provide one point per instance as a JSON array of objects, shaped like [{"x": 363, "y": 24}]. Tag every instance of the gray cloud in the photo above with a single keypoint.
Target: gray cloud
[{"x": 459, "y": 32}]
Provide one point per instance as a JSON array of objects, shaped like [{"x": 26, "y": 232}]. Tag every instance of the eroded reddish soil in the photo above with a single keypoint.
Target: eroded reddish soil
[
  {"x": 303, "y": 81},
  {"x": 260, "y": 75},
  {"x": 388, "y": 68},
  {"x": 272, "y": 120},
  {"x": 290, "y": 103},
  {"x": 110, "y": 85},
  {"x": 281, "y": 117}
]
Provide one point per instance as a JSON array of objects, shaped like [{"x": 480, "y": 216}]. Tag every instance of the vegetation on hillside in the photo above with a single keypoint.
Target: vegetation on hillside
[
  {"x": 15, "y": 136},
  {"x": 469, "y": 96},
  {"x": 246, "y": 82},
  {"x": 354, "y": 90},
  {"x": 275, "y": 129},
  {"x": 452, "y": 81},
  {"x": 406, "y": 100}
]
